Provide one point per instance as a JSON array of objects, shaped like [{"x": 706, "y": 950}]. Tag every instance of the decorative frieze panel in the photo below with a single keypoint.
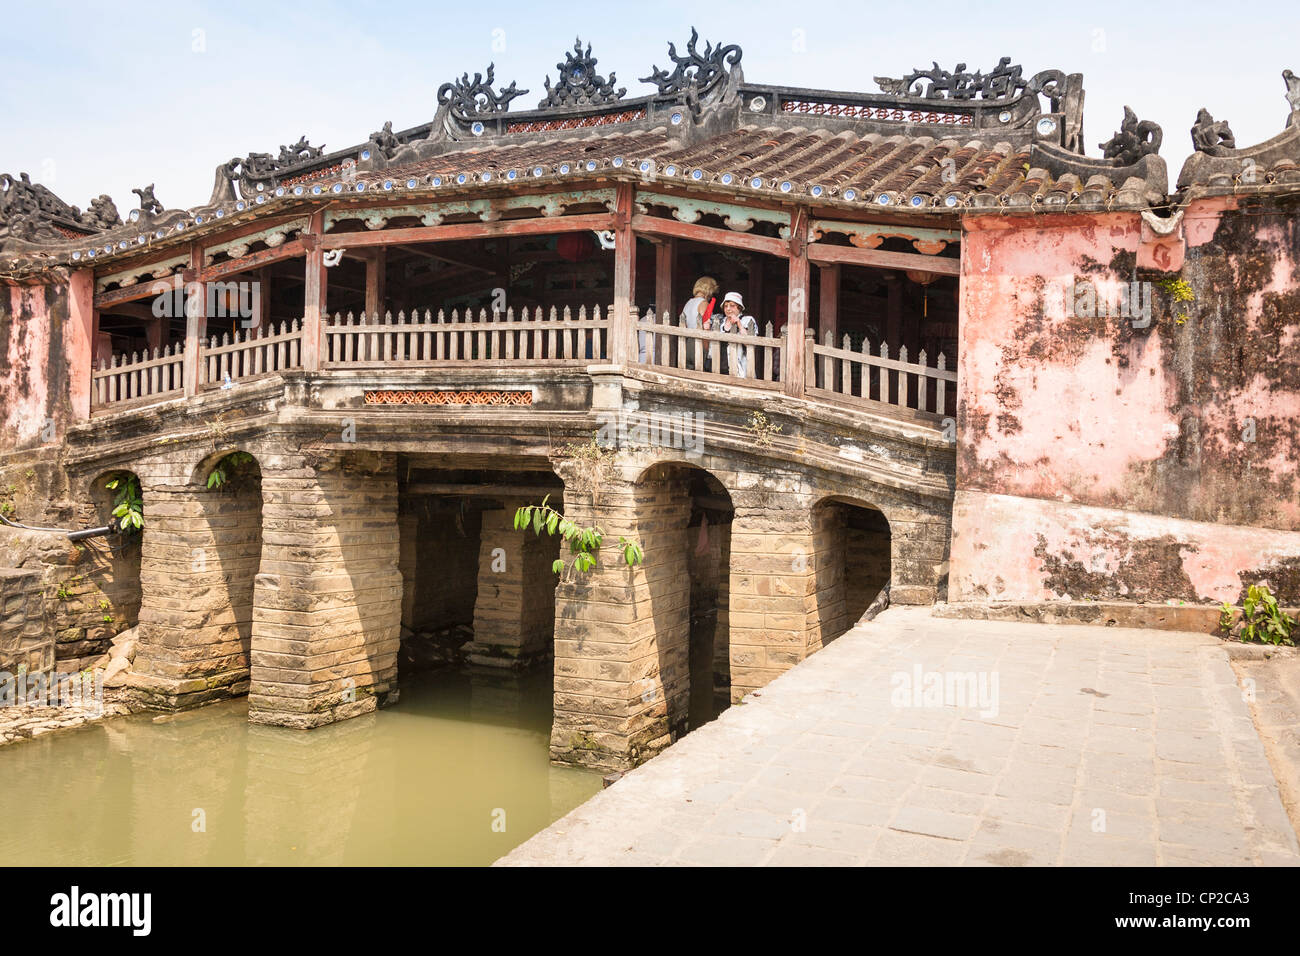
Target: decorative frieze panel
[
  {"x": 866, "y": 235},
  {"x": 238, "y": 248},
  {"x": 691, "y": 209},
  {"x": 132, "y": 276},
  {"x": 487, "y": 210},
  {"x": 447, "y": 397}
]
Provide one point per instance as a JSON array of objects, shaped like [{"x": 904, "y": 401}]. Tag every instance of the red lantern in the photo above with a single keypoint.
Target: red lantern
[{"x": 575, "y": 246}]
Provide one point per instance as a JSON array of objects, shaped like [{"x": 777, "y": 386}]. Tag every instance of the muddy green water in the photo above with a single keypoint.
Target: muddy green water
[{"x": 455, "y": 773}]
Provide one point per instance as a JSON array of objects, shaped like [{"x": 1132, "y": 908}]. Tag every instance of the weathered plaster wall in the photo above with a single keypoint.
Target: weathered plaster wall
[
  {"x": 1065, "y": 412},
  {"x": 33, "y": 373}
]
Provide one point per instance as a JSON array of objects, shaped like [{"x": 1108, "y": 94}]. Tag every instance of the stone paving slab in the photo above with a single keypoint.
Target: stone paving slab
[{"x": 920, "y": 741}]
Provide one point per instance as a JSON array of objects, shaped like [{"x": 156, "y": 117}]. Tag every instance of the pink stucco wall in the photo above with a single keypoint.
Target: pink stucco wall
[
  {"x": 1065, "y": 419},
  {"x": 25, "y": 338}
]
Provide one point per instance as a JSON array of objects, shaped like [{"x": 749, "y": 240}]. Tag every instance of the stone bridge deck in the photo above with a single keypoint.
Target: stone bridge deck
[{"x": 1109, "y": 746}]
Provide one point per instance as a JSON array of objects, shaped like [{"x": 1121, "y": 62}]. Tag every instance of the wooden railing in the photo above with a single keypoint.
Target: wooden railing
[
  {"x": 536, "y": 338},
  {"x": 557, "y": 338},
  {"x": 252, "y": 353},
  {"x": 130, "y": 379},
  {"x": 712, "y": 354},
  {"x": 859, "y": 375}
]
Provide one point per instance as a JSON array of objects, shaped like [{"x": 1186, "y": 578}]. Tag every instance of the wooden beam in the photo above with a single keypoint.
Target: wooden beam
[
  {"x": 478, "y": 491},
  {"x": 792, "y": 366},
  {"x": 828, "y": 308},
  {"x": 132, "y": 293},
  {"x": 450, "y": 261},
  {"x": 314, "y": 296},
  {"x": 880, "y": 259},
  {"x": 255, "y": 260},
  {"x": 622, "y": 333},
  {"x": 650, "y": 226},
  {"x": 469, "y": 230}
]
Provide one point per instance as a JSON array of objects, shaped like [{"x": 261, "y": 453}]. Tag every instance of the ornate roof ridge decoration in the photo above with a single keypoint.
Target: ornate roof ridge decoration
[
  {"x": 695, "y": 72},
  {"x": 1222, "y": 165},
  {"x": 1211, "y": 136},
  {"x": 33, "y": 213},
  {"x": 1133, "y": 140},
  {"x": 385, "y": 140},
  {"x": 465, "y": 98},
  {"x": 579, "y": 84},
  {"x": 1292, "y": 91},
  {"x": 263, "y": 169},
  {"x": 1004, "y": 82}
]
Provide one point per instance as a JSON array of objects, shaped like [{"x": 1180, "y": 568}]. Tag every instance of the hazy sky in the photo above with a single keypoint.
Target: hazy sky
[{"x": 101, "y": 98}]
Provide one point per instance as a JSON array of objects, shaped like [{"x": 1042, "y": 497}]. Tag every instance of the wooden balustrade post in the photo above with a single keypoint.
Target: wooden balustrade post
[
  {"x": 792, "y": 362},
  {"x": 314, "y": 304},
  {"x": 622, "y": 332}
]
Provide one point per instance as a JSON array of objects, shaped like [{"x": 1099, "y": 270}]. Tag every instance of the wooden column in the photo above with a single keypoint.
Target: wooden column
[
  {"x": 792, "y": 371},
  {"x": 264, "y": 298},
  {"x": 622, "y": 334},
  {"x": 754, "y": 304},
  {"x": 665, "y": 278},
  {"x": 196, "y": 320},
  {"x": 156, "y": 333},
  {"x": 828, "y": 309},
  {"x": 894, "y": 327},
  {"x": 313, "y": 306},
  {"x": 375, "y": 263}
]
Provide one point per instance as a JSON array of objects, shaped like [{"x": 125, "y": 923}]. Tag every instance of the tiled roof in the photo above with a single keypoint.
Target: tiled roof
[{"x": 914, "y": 172}]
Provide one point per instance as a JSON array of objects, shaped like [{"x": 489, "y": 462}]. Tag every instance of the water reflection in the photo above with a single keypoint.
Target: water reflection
[{"x": 421, "y": 782}]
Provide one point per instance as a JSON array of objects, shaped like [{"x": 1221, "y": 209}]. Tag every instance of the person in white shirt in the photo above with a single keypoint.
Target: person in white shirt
[
  {"x": 736, "y": 322},
  {"x": 696, "y": 314}
]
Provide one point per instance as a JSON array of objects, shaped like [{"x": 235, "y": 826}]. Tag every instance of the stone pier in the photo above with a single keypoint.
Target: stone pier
[
  {"x": 199, "y": 556},
  {"x": 327, "y": 612},
  {"x": 622, "y": 634},
  {"x": 514, "y": 611}
]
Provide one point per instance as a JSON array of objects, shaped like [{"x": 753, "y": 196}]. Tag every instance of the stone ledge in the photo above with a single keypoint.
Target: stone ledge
[{"x": 1200, "y": 618}]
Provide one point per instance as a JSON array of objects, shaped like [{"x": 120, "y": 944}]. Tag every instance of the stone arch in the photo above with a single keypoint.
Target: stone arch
[
  {"x": 201, "y": 557},
  {"x": 684, "y": 520},
  {"x": 854, "y": 558}
]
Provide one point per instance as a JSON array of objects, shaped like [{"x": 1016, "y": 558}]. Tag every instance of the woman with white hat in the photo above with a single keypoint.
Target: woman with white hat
[{"x": 736, "y": 322}]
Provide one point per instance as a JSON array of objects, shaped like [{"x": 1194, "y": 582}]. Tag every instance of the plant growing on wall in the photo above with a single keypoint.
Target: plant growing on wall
[
  {"x": 1181, "y": 293},
  {"x": 128, "y": 501},
  {"x": 762, "y": 429},
  {"x": 584, "y": 543},
  {"x": 1262, "y": 621},
  {"x": 228, "y": 468}
]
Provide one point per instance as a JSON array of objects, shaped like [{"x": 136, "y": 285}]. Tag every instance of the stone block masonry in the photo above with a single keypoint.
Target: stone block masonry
[
  {"x": 622, "y": 634},
  {"x": 328, "y": 597},
  {"x": 25, "y": 641},
  {"x": 514, "y": 611},
  {"x": 200, "y": 553}
]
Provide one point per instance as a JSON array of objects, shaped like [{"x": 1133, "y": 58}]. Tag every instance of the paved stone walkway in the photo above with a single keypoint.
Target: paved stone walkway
[{"x": 1089, "y": 746}]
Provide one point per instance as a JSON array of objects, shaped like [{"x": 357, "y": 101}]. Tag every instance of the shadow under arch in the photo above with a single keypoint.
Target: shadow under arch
[
  {"x": 854, "y": 560},
  {"x": 114, "y": 560},
  {"x": 225, "y": 558},
  {"x": 685, "y": 513}
]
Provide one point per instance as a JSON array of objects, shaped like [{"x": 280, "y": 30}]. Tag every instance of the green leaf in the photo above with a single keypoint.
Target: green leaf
[
  {"x": 557, "y": 566},
  {"x": 537, "y": 522},
  {"x": 553, "y": 523}
]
